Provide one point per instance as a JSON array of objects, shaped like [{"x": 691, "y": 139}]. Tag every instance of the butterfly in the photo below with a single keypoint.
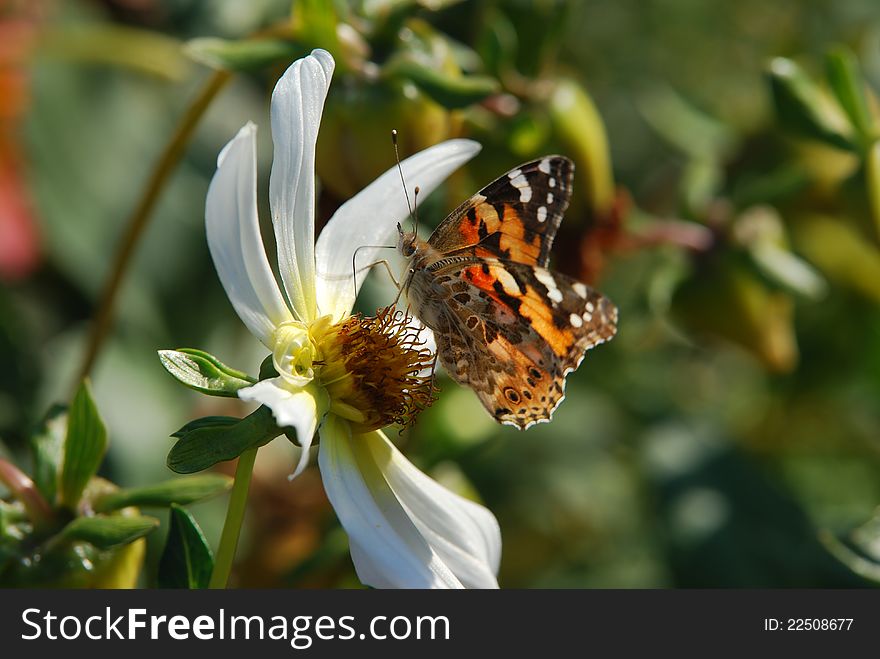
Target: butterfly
[{"x": 505, "y": 325}]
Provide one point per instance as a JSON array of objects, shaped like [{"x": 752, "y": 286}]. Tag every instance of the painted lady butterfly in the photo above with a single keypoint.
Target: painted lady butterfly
[{"x": 505, "y": 325}]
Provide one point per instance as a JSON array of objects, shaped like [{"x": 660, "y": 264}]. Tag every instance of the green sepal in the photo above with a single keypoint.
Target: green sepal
[
  {"x": 107, "y": 531},
  {"x": 203, "y": 372},
  {"x": 187, "y": 560},
  {"x": 179, "y": 491},
  {"x": 84, "y": 446},
  {"x": 210, "y": 443}
]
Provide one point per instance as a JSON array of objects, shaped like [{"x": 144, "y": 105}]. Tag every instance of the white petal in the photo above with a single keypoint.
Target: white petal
[
  {"x": 464, "y": 534},
  {"x": 234, "y": 239},
  {"x": 387, "y": 549},
  {"x": 371, "y": 217},
  {"x": 297, "y": 103},
  {"x": 301, "y": 409}
]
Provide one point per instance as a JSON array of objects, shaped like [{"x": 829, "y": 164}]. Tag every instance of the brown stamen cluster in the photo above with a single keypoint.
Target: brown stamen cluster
[{"x": 378, "y": 371}]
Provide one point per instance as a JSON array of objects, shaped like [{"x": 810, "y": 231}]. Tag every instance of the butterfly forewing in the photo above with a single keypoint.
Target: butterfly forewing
[{"x": 513, "y": 218}]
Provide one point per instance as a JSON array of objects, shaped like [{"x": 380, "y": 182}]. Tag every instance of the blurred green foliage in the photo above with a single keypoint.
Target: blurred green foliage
[{"x": 727, "y": 199}]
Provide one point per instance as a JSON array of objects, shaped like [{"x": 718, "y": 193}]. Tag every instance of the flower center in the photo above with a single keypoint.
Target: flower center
[{"x": 377, "y": 370}]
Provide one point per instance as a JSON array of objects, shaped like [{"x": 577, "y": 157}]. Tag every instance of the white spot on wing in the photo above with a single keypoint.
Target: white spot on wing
[
  {"x": 580, "y": 289},
  {"x": 549, "y": 197},
  {"x": 576, "y": 320},
  {"x": 553, "y": 291},
  {"x": 507, "y": 281},
  {"x": 552, "y": 182},
  {"x": 520, "y": 182},
  {"x": 542, "y": 214},
  {"x": 544, "y": 166}
]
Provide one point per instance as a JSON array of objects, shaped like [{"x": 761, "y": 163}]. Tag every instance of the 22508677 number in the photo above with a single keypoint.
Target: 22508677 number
[{"x": 819, "y": 624}]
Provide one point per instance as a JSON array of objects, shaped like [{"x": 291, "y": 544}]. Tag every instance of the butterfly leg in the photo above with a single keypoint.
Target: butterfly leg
[{"x": 370, "y": 265}]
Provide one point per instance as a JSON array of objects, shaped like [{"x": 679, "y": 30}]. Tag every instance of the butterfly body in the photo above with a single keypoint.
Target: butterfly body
[{"x": 506, "y": 325}]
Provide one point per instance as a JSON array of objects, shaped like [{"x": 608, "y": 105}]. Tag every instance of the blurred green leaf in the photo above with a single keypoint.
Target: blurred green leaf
[
  {"x": 872, "y": 181},
  {"x": 805, "y": 108},
  {"x": 685, "y": 126},
  {"x": 788, "y": 270},
  {"x": 580, "y": 127},
  {"x": 203, "y": 372},
  {"x": 840, "y": 252},
  {"x": 497, "y": 43},
  {"x": 848, "y": 85},
  {"x": 209, "y": 444},
  {"x": 105, "y": 532},
  {"x": 761, "y": 232},
  {"x": 247, "y": 55},
  {"x": 860, "y": 550},
  {"x": 727, "y": 300},
  {"x": 382, "y": 9},
  {"x": 314, "y": 22},
  {"x": 180, "y": 491},
  {"x": 147, "y": 51},
  {"x": 84, "y": 446},
  {"x": 701, "y": 182},
  {"x": 186, "y": 561},
  {"x": 451, "y": 91},
  {"x": 47, "y": 444}
]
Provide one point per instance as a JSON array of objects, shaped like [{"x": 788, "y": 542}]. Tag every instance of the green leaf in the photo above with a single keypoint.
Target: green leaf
[
  {"x": 498, "y": 42},
  {"x": 84, "y": 446},
  {"x": 209, "y": 444},
  {"x": 108, "y": 531},
  {"x": 805, "y": 108},
  {"x": 247, "y": 55},
  {"x": 186, "y": 561},
  {"x": 872, "y": 182},
  {"x": 685, "y": 126},
  {"x": 580, "y": 128},
  {"x": 314, "y": 22},
  {"x": 848, "y": 85},
  {"x": 450, "y": 91},
  {"x": 47, "y": 444},
  {"x": 203, "y": 372},
  {"x": 180, "y": 491},
  {"x": 140, "y": 50},
  {"x": 840, "y": 252},
  {"x": 206, "y": 422}
]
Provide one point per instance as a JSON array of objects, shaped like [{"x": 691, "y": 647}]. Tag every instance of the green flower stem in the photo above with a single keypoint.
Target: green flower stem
[
  {"x": 140, "y": 217},
  {"x": 234, "y": 516}
]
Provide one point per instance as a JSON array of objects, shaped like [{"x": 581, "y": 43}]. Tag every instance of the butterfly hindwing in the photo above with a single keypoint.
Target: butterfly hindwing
[
  {"x": 512, "y": 332},
  {"x": 514, "y": 218}
]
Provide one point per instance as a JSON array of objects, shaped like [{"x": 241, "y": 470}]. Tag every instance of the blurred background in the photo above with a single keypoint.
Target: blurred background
[{"x": 727, "y": 199}]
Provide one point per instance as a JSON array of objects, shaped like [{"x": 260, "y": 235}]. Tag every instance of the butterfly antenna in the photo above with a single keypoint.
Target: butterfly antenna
[
  {"x": 400, "y": 171},
  {"x": 416, "y": 211}
]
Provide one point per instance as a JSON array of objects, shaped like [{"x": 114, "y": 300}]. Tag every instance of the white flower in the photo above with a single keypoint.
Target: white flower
[{"x": 405, "y": 530}]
